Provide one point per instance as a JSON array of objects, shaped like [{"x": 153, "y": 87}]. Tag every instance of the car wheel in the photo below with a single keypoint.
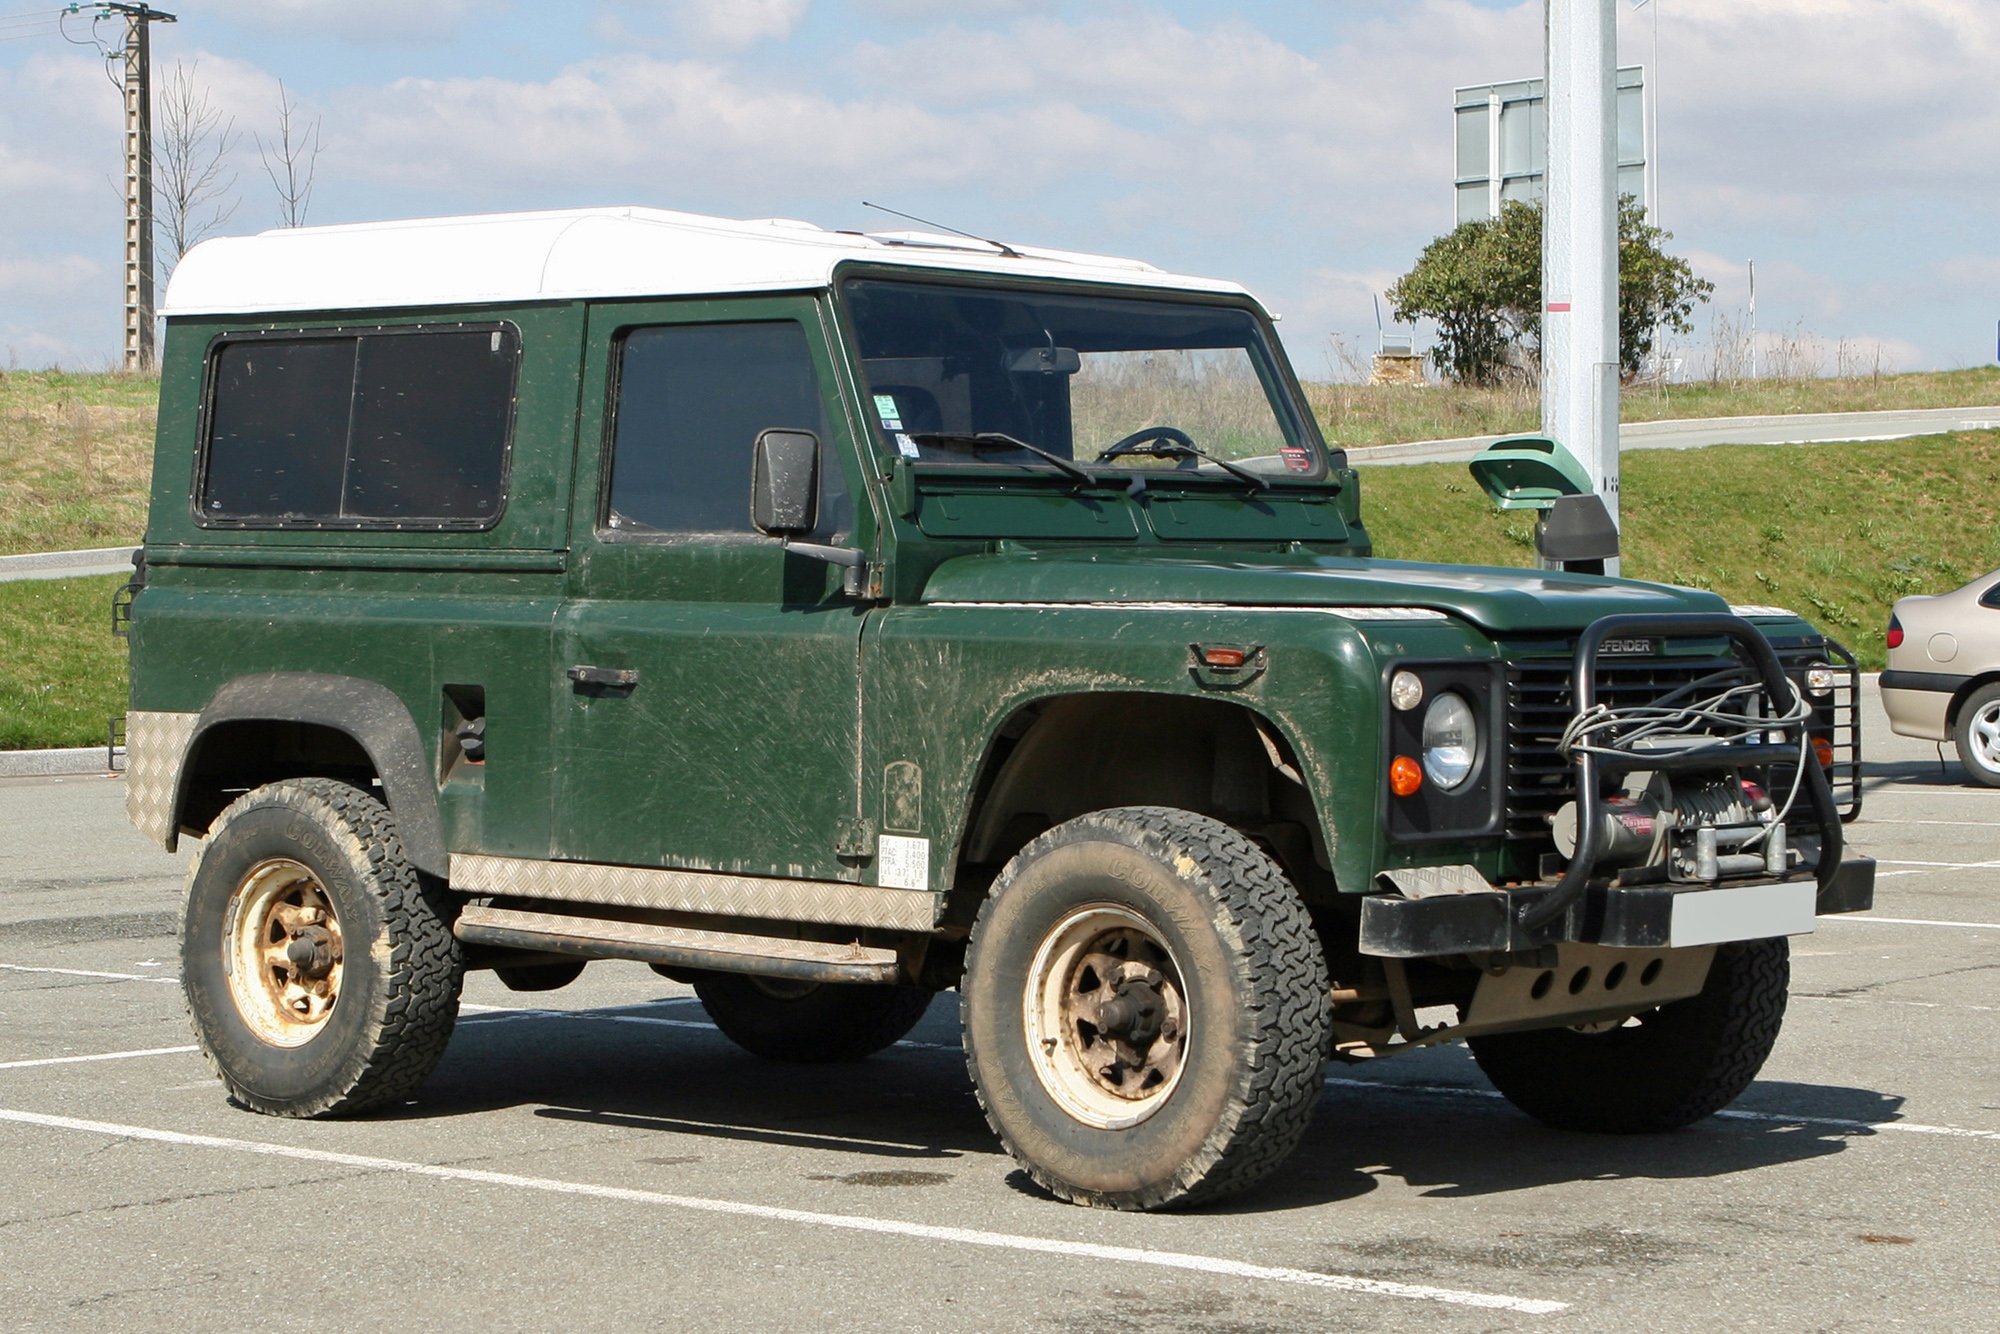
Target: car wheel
[
  {"x": 319, "y": 966},
  {"x": 1977, "y": 733},
  {"x": 1660, "y": 1070},
  {"x": 1146, "y": 1010}
]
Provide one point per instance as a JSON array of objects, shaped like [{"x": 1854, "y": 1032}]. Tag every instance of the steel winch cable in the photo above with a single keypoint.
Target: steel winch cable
[{"x": 1708, "y": 720}]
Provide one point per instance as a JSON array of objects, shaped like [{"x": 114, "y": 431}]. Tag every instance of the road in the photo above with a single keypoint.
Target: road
[
  {"x": 599, "y": 1158},
  {"x": 1694, "y": 433}
]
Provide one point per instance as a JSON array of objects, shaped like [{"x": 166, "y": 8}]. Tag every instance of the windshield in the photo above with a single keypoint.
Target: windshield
[{"x": 960, "y": 374}]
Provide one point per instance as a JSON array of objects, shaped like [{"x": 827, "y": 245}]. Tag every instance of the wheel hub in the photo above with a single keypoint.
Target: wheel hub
[
  {"x": 1107, "y": 1017},
  {"x": 284, "y": 952}
]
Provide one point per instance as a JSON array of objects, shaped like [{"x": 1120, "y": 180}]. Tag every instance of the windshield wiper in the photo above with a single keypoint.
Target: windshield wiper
[
  {"x": 974, "y": 440},
  {"x": 1164, "y": 442}
]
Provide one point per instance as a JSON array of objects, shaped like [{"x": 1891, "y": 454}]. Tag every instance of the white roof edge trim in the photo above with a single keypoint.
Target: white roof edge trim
[{"x": 583, "y": 254}]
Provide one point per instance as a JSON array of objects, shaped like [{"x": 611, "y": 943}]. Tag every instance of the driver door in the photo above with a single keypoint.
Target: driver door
[{"x": 719, "y": 729}]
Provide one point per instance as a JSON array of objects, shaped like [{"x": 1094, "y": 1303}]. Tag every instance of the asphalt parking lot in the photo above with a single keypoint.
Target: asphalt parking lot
[{"x": 600, "y": 1158}]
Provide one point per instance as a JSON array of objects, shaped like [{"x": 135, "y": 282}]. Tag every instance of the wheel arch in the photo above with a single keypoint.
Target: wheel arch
[
  {"x": 1059, "y": 756},
  {"x": 1969, "y": 687},
  {"x": 273, "y": 725}
]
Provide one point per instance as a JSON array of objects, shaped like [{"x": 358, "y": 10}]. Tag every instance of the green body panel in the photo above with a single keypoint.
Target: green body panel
[
  {"x": 415, "y": 611},
  {"x": 737, "y": 750},
  {"x": 1499, "y": 600},
  {"x": 777, "y": 723}
]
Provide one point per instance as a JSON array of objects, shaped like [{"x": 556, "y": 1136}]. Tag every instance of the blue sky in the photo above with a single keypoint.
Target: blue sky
[{"x": 1304, "y": 148}]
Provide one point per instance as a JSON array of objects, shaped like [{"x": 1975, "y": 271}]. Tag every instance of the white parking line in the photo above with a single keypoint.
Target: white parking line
[
  {"x": 79, "y": 972},
  {"x": 100, "y": 1056},
  {"x": 1841, "y": 1123},
  {"x": 1910, "y": 921},
  {"x": 1201, "y": 1264}
]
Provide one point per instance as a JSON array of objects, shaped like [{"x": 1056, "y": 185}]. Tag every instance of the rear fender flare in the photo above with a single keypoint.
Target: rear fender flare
[{"x": 367, "y": 711}]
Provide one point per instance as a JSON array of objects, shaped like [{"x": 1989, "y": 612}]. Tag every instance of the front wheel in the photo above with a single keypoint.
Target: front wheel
[
  {"x": 1977, "y": 735},
  {"x": 1661, "y": 1070},
  {"x": 319, "y": 965},
  {"x": 1146, "y": 1010}
]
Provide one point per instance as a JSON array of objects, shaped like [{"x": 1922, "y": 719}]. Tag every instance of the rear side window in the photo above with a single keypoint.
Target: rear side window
[{"x": 402, "y": 428}]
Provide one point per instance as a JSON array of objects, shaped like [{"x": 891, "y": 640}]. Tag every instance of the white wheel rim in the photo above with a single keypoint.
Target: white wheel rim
[
  {"x": 1985, "y": 734},
  {"x": 283, "y": 952},
  {"x": 1107, "y": 1018}
]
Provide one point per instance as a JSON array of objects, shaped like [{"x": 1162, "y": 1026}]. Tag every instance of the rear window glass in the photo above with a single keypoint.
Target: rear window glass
[{"x": 396, "y": 428}]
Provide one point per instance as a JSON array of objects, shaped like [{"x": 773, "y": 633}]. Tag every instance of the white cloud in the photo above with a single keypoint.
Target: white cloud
[
  {"x": 51, "y": 277},
  {"x": 362, "y": 22},
  {"x": 922, "y": 11},
  {"x": 740, "y": 23}
]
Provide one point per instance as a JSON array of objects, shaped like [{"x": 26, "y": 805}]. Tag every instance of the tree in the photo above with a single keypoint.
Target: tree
[
  {"x": 191, "y": 176},
  {"x": 1482, "y": 284},
  {"x": 290, "y": 160}
]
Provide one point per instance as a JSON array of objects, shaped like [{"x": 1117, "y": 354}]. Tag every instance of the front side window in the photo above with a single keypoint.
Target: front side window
[
  {"x": 691, "y": 401},
  {"x": 1075, "y": 376},
  {"x": 390, "y": 428}
]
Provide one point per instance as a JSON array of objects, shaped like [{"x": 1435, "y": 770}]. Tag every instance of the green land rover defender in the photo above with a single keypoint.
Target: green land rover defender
[{"x": 831, "y": 619}]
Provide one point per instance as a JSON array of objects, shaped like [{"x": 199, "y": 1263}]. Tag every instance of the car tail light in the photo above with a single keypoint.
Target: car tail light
[{"x": 1895, "y": 632}]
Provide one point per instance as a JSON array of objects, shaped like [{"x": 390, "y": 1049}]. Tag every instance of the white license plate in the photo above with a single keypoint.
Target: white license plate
[{"x": 1754, "y": 912}]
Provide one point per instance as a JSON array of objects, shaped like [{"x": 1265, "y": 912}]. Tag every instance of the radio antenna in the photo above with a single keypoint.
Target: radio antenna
[{"x": 1001, "y": 246}]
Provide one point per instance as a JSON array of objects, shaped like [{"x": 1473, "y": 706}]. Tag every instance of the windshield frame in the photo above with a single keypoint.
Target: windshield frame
[{"x": 1287, "y": 400}]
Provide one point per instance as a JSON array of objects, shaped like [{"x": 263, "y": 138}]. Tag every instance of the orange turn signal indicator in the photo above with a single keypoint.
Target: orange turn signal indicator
[
  {"x": 1405, "y": 776},
  {"x": 1824, "y": 749}
]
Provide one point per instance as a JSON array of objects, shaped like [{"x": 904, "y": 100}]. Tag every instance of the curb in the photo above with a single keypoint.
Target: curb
[
  {"x": 55, "y": 763},
  {"x": 67, "y": 564}
]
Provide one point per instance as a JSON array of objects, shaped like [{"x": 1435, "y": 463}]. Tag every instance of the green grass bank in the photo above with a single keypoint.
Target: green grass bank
[
  {"x": 62, "y": 671},
  {"x": 1835, "y": 532}
]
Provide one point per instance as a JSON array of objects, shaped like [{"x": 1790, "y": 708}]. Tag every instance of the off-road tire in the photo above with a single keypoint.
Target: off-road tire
[
  {"x": 810, "y": 1023},
  {"x": 1683, "y": 1061},
  {"x": 1986, "y": 700},
  {"x": 1254, "y": 982},
  {"x": 388, "y": 1027}
]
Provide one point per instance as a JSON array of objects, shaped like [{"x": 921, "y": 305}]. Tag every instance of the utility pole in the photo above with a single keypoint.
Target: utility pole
[
  {"x": 138, "y": 88},
  {"x": 1580, "y": 241}
]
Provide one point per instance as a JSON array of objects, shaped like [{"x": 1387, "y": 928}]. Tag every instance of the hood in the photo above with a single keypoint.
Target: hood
[{"x": 1497, "y": 599}]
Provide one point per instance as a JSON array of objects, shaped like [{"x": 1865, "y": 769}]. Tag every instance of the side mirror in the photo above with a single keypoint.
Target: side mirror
[
  {"x": 784, "y": 483},
  {"x": 1576, "y": 529}
]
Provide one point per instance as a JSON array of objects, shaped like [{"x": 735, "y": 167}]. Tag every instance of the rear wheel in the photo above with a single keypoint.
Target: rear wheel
[
  {"x": 809, "y": 1022},
  {"x": 1659, "y": 1071},
  {"x": 1145, "y": 1010},
  {"x": 319, "y": 965},
  {"x": 1977, "y": 734}
]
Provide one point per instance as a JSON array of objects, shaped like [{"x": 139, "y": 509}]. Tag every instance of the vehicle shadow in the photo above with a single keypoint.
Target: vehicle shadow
[
  {"x": 1429, "y": 1120},
  {"x": 1913, "y": 775}
]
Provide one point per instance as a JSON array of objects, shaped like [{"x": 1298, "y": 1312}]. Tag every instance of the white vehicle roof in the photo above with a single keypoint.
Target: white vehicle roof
[{"x": 575, "y": 254}]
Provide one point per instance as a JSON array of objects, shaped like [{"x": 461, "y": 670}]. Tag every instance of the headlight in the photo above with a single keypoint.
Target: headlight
[
  {"x": 1406, "y": 690},
  {"x": 1451, "y": 741},
  {"x": 1821, "y": 680}
]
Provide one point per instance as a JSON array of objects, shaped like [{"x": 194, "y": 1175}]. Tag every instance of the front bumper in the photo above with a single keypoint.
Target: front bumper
[{"x": 1635, "y": 917}]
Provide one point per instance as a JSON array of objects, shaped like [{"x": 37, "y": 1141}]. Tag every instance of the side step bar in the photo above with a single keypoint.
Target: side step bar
[{"x": 683, "y": 947}]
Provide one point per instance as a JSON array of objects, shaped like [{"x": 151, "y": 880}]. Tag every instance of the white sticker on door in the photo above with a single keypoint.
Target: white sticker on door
[{"x": 903, "y": 863}]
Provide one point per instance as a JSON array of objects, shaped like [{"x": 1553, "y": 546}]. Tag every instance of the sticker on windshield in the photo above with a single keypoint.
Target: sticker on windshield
[
  {"x": 1298, "y": 460},
  {"x": 885, "y": 408},
  {"x": 907, "y": 447}
]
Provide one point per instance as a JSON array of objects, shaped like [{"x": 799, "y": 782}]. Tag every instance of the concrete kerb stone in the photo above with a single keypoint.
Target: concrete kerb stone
[
  {"x": 66, "y": 564},
  {"x": 56, "y": 763}
]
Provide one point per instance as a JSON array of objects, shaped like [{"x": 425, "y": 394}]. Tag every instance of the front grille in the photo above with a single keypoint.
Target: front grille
[{"x": 1540, "y": 781}]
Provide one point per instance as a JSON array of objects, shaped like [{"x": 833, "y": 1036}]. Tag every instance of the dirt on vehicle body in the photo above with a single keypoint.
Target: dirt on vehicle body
[{"x": 829, "y": 620}]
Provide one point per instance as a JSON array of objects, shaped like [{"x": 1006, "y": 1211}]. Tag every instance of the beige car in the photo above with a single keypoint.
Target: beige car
[{"x": 1943, "y": 678}]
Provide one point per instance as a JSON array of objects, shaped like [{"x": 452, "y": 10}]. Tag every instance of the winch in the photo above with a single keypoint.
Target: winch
[{"x": 1697, "y": 833}]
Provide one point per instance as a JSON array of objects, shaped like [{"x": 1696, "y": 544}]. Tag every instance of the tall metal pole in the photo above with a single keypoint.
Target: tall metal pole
[
  {"x": 138, "y": 89},
  {"x": 1580, "y": 240}
]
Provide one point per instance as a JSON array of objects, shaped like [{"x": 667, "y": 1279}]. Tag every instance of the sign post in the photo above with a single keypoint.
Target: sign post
[{"x": 1580, "y": 241}]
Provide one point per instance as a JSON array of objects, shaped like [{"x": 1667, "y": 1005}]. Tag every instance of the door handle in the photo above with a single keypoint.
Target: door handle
[{"x": 604, "y": 678}]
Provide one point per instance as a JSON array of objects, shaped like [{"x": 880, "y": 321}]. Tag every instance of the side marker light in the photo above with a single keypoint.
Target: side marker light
[{"x": 1405, "y": 776}]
